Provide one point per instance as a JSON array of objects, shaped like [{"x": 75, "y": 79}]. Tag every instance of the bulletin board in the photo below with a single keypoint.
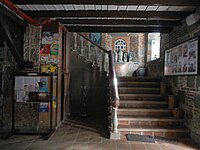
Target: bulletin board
[
  {"x": 34, "y": 89},
  {"x": 183, "y": 59}
]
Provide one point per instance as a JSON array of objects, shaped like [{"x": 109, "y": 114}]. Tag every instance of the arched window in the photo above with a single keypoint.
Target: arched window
[
  {"x": 120, "y": 45},
  {"x": 120, "y": 54}
]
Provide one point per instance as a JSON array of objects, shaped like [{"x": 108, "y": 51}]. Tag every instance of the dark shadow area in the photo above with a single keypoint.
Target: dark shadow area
[{"x": 97, "y": 124}]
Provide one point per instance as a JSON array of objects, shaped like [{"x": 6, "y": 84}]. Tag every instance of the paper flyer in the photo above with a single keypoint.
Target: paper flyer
[
  {"x": 48, "y": 68},
  {"x": 19, "y": 83},
  {"x": 54, "y": 49},
  {"x": 55, "y": 37},
  {"x": 37, "y": 84},
  {"x": 21, "y": 96},
  {"x": 30, "y": 82},
  {"x": 43, "y": 84},
  {"x": 43, "y": 107}
]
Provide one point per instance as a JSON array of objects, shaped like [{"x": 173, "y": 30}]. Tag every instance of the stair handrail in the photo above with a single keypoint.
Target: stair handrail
[{"x": 114, "y": 95}]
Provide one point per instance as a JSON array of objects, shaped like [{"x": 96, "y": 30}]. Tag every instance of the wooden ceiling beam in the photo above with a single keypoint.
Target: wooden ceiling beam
[
  {"x": 158, "y": 23},
  {"x": 114, "y": 2},
  {"x": 118, "y": 29},
  {"x": 117, "y": 14}
]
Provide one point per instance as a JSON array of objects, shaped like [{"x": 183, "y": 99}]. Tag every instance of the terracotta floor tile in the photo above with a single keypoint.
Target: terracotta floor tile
[
  {"x": 124, "y": 147},
  {"x": 94, "y": 146},
  {"x": 87, "y": 134},
  {"x": 153, "y": 147},
  {"x": 138, "y": 146},
  {"x": 95, "y": 140}
]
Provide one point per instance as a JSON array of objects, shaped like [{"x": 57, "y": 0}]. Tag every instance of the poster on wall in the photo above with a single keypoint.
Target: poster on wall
[
  {"x": 182, "y": 59},
  {"x": 49, "y": 52},
  {"x": 96, "y": 37},
  {"x": 54, "y": 49},
  {"x": 45, "y": 50},
  {"x": 47, "y": 37},
  {"x": 41, "y": 84},
  {"x": 43, "y": 107}
]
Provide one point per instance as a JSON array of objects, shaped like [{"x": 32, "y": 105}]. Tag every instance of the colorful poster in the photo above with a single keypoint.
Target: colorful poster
[
  {"x": 41, "y": 84},
  {"x": 54, "y": 49},
  {"x": 52, "y": 60},
  {"x": 95, "y": 37},
  {"x": 48, "y": 68},
  {"x": 45, "y": 50},
  {"x": 47, "y": 38},
  {"x": 43, "y": 107},
  {"x": 55, "y": 38},
  {"x": 44, "y": 59}
]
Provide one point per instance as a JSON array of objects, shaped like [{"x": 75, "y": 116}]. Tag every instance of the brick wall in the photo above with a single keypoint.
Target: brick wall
[
  {"x": 135, "y": 44},
  {"x": 186, "y": 88}
]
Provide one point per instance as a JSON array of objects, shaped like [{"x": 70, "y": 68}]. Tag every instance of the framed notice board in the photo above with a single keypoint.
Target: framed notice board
[
  {"x": 183, "y": 59},
  {"x": 33, "y": 90}
]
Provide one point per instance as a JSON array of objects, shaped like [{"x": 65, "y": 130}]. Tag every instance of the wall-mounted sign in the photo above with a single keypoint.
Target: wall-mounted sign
[{"x": 183, "y": 58}]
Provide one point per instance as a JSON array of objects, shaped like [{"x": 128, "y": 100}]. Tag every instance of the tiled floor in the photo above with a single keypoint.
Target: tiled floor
[{"x": 87, "y": 134}]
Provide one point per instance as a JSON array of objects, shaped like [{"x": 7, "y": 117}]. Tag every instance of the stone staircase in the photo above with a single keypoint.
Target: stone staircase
[{"x": 143, "y": 110}]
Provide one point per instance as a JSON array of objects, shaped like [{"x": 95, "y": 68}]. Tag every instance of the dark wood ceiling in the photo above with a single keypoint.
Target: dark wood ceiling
[{"x": 112, "y": 15}]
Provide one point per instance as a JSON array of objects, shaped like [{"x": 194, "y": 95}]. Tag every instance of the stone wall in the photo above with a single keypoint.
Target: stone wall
[
  {"x": 186, "y": 88},
  {"x": 32, "y": 44},
  {"x": 155, "y": 68},
  {"x": 8, "y": 68},
  {"x": 25, "y": 114}
]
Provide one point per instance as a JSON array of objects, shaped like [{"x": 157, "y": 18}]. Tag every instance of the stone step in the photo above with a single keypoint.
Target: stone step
[
  {"x": 139, "y": 84},
  {"x": 140, "y": 96},
  {"x": 147, "y": 112},
  {"x": 143, "y": 79},
  {"x": 143, "y": 104},
  {"x": 136, "y": 90},
  {"x": 150, "y": 121},
  {"x": 171, "y": 132}
]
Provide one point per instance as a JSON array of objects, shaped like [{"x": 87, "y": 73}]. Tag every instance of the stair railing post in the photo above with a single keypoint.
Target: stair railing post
[{"x": 114, "y": 134}]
